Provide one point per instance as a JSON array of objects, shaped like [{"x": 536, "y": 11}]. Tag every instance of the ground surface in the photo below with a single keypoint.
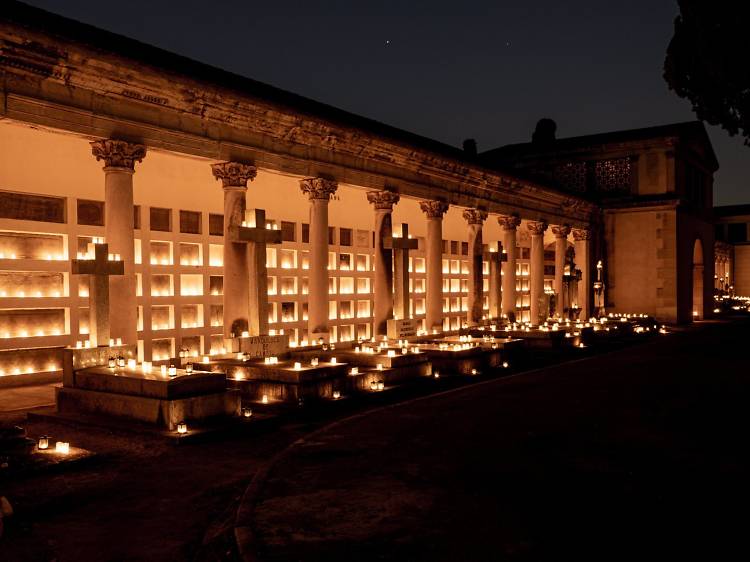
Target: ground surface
[
  {"x": 640, "y": 454},
  {"x": 599, "y": 456}
]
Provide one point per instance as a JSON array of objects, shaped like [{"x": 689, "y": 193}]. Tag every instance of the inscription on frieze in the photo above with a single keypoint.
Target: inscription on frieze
[{"x": 148, "y": 98}]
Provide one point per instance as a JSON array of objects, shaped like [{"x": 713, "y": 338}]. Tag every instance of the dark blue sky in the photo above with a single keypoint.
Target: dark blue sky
[{"x": 444, "y": 69}]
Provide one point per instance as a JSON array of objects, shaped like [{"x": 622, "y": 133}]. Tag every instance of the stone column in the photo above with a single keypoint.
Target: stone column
[
  {"x": 510, "y": 224},
  {"x": 434, "y": 211},
  {"x": 119, "y": 165},
  {"x": 475, "y": 219},
  {"x": 582, "y": 240},
  {"x": 561, "y": 246},
  {"x": 536, "y": 267},
  {"x": 383, "y": 201},
  {"x": 319, "y": 191},
  {"x": 495, "y": 259},
  {"x": 234, "y": 177}
]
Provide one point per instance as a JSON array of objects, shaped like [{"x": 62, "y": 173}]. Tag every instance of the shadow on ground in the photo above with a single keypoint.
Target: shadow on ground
[{"x": 637, "y": 454}]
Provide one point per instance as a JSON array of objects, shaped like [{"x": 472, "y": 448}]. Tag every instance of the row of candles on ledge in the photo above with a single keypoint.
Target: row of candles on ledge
[{"x": 147, "y": 367}]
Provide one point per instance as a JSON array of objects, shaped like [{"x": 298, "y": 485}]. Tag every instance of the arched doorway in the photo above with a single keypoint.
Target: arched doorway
[{"x": 697, "y": 280}]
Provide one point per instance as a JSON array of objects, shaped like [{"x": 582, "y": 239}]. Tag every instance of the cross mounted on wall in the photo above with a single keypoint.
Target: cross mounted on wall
[
  {"x": 98, "y": 268},
  {"x": 401, "y": 245}
]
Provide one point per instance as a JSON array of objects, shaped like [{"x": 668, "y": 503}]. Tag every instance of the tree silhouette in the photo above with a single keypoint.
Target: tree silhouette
[{"x": 708, "y": 61}]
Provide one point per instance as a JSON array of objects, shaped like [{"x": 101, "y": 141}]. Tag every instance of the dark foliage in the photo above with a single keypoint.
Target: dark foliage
[{"x": 708, "y": 61}]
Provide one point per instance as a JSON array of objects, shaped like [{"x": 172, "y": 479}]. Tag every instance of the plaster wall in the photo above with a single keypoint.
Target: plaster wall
[{"x": 742, "y": 269}]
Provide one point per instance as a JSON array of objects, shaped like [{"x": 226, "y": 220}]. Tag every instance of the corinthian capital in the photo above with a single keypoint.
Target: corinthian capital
[
  {"x": 318, "y": 188},
  {"x": 434, "y": 209},
  {"x": 475, "y": 216},
  {"x": 383, "y": 199},
  {"x": 536, "y": 227},
  {"x": 117, "y": 153},
  {"x": 509, "y": 222},
  {"x": 234, "y": 174},
  {"x": 581, "y": 234},
  {"x": 561, "y": 230}
]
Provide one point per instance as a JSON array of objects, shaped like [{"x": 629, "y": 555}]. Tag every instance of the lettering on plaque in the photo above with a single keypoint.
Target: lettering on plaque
[
  {"x": 401, "y": 329},
  {"x": 264, "y": 346}
]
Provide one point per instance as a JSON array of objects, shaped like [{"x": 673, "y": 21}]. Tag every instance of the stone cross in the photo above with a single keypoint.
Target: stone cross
[
  {"x": 599, "y": 309},
  {"x": 496, "y": 258},
  {"x": 401, "y": 246},
  {"x": 571, "y": 277},
  {"x": 253, "y": 232},
  {"x": 99, "y": 270}
]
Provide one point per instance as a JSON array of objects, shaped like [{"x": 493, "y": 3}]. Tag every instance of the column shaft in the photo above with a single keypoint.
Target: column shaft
[
  {"x": 319, "y": 191},
  {"x": 434, "y": 265},
  {"x": 536, "y": 270},
  {"x": 475, "y": 219},
  {"x": 236, "y": 274},
  {"x": 583, "y": 261},
  {"x": 434, "y": 211},
  {"x": 317, "y": 307},
  {"x": 495, "y": 297},
  {"x": 383, "y": 273},
  {"x": 510, "y": 224}
]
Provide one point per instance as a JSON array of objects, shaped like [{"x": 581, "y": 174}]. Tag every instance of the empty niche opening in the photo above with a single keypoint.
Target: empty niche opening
[
  {"x": 191, "y": 284},
  {"x": 160, "y": 252},
  {"x": 162, "y": 349},
  {"x": 193, "y": 345},
  {"x": 288, "y": 259},
  {"x": 191, "y": 316},
  {"x": 288, "y": 285},
  {"x": 162, "y": 317},
  {"x": 33, "y": 322},
  {"x": 216, "y": 255},
  {"x": 162, "y": 285},
  {"x": 24, "y": 284},
  {"x": 216, "y": 285},
  {"x": 191, "y": 254},
  {"x": 32, "y": 246},
  {"x": 216, "y": 312}
]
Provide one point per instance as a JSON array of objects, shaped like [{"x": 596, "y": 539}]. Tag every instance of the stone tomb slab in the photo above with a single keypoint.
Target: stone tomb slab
[
  {"x": 147, "y": 397},
  {"x": 369, "y": 360},
  {"x": 280, "y": 382},
  {"x": 452, "y": 361},
  {"x": 150, "y": 385}
]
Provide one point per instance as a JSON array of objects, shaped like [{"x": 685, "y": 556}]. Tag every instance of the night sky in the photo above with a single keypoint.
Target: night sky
[{"x": 448, "y": 70}]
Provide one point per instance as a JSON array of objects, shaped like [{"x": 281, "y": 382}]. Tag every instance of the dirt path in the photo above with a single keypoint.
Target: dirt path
[{"x": 637, "y": 455}]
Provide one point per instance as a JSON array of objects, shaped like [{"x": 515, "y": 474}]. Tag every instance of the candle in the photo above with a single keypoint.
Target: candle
[{"x": 62, "y": 447}]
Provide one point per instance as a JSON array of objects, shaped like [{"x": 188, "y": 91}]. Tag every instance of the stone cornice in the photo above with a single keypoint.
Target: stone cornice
[
  {"x": 434, "y": 209},
  {"x": 536, "y": 228},
  {"x": 318, "y": 188},
  {"x": 384, "y": 199},
  {"x": 234, "y": 174},
  {"x": 92, "y": 92},
  {"x": 475, "y": 216},
  {"x": 118, "y": 153}
]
